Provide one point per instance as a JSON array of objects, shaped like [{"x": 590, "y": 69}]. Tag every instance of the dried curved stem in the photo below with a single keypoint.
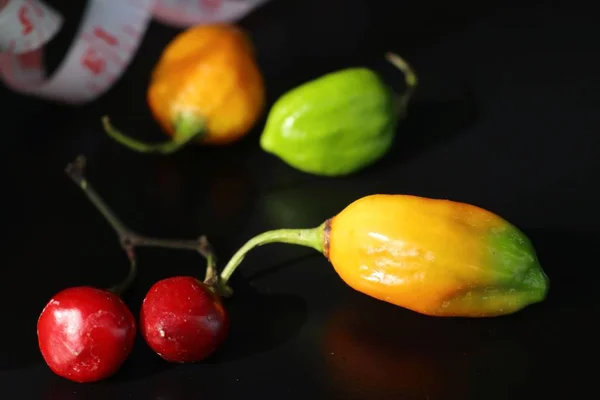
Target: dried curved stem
[{"x": 128, "y": 238}]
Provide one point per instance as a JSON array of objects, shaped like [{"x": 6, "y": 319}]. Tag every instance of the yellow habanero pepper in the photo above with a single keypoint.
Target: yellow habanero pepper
[
  {"x": 435, "y": 257},
  {"x": 206, "y": 88}
]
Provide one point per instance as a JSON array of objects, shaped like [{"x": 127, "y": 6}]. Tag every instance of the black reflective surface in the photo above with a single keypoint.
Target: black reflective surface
[{"x": 506, "y": 117}]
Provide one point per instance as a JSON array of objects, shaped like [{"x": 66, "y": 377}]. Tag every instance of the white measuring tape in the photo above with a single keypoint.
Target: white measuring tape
[{"x": 108, "y": 37}]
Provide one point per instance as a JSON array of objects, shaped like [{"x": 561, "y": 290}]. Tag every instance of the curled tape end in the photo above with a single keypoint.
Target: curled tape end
[{"x": 108, "y": 39}]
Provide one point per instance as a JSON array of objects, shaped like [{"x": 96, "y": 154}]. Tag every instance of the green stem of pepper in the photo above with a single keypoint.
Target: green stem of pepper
[
  {"x": 188, "y": 127},
  {"x": 410, "y": 78},
  {"x": 130, "y": 239},
  {"x": 312, "y": 237}
]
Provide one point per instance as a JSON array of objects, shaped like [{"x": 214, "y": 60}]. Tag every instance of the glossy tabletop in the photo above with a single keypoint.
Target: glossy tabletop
[{"x": 505, "y": 117}]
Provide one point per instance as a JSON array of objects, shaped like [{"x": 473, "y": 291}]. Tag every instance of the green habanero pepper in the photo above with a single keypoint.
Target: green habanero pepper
[{"x": 339, "y": 123}]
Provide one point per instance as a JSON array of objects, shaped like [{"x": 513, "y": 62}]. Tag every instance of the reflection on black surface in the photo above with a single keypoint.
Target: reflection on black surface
[
  {"x": 192, "y": 191},
  {"x": 411, "y": 356},
  {"x": 429, "y": 124},
  {"x": 142, "y": 364},
  {"x": 167, "y": 388},
  {"x": 564, "y": 256},
  {"x": 372, "y": 354},
  {"x": 259, "y": 322},
  {"x": 373, "y": 348},
  {"x": 62, "y": 389},
  {"x": 308, "y": 206}
]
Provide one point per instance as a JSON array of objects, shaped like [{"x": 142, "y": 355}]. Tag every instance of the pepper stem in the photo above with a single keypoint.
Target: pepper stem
[
  {"x": 127, "y": 237},
  {"x": 410, "y": 78},
  {"x": 187, "y": 128},
  {"x": 313, "y": 237}
]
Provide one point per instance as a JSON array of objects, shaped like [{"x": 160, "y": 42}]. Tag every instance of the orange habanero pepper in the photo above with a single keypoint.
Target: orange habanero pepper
[
  {"x": 435, "y": 257},
  {"x": 206, "y": 88}
]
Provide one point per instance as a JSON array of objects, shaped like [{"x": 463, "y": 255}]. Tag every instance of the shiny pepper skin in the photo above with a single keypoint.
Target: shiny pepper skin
[
  {"x": 435, "y": 257},
  {"x": 206, "y": 88},
  {"x": 183, "y": 320},
  {"x": 338, "y": 123},
  {"x": 208, "y": 71},
  {"x": 85, "y": 334}
]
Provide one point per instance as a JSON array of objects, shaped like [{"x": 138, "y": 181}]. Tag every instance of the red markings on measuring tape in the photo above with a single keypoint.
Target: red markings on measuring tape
[
  {"x": 93, "y": 61},
  {"x": 25, "y": 21},
  {"x": 30, "y": 60},
  {"x": 210, "y": 4},
  {"x": 100, "y": 38},
  {"x": 100, "y": 33},
  {"x": 108, "y": 40},
  {"x": 105, "y": 44}
]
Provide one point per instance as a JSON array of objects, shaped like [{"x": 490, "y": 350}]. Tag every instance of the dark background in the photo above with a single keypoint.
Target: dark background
[{"x": 506, "y": 117}]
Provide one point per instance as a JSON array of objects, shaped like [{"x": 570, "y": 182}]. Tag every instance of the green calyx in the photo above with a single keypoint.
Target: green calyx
[
  {"x": 517, "y": 267},
  {"x": 339, "y": 123},
  {"x": 188, "y": 127},
  {"x": 510, "y": 278}
]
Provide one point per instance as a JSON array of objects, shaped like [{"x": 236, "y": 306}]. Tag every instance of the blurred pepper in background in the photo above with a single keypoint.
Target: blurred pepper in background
[{"x": 206, "y": 88}]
